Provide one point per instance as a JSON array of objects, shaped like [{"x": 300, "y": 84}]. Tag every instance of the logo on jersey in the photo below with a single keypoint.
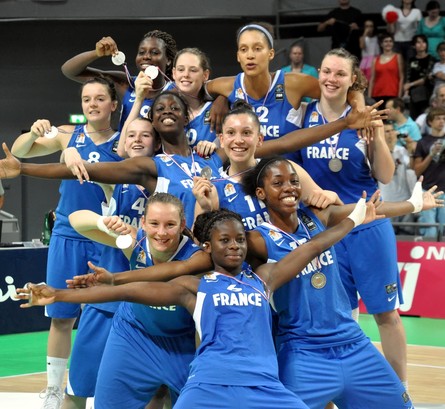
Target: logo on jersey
[
  {"x": 391, "y": 288},
  {"x": 229, "y": 189},
  {"x": 114, "y": 147},
  {"x": 207, "y": 118},
  {"x": 210, "y": 277},
  {"x": 239, "y": 94},
  {"x": 166, "y": 159},
  {"x": 80, "y": 138},
  {"x": 314, "y": 117},
  {"x": 233, "y": 287},
  {"x": 279, "y": 92},
  {"x": 275, "y": 235},
  {"x": 308, "y": 222},
  {"x": 142, "y": 257}
]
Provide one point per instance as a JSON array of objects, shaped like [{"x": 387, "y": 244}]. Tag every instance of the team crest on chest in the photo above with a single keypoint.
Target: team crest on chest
[
  {"x": 239, "y": 94},
  {"x": 314, "y": 117},
  {"x": 275, "y": 235},
  {"x": 80, "y": 138},
  {"x": 229, "y": 189},
  {"x": 142, "y": 257}
]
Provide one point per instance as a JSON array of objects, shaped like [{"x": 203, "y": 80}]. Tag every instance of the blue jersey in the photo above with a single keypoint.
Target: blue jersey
[
  {"x": 233, "y": 319},
  {"x": 232, "y": 197},
  {"x": 175, "y": 176},
  {"x": 169, "y": 321},
  {"x": 313, "y": 309},
  {"x": 75, "y": 196},
  {"x": 276, "y": 114},
  {"x": 128, "y": 202},
  {"x": 198, "y": 128},
  {"x": 128, "y": 101}
]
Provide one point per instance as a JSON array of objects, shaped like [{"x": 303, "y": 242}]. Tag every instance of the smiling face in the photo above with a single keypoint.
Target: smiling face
[
  {"x": 151, "y": 51},
  {"x": 240, "y": 137},
  {"x": 281, "y": 189},
  {"x": 189, "y": 74},
  {"x": 254, "y": 52},
  {"x": 97, "y": 105},
  {"x": 169, "y": 114},
  {"x": 163, "y": 226},
  {"x": 335, "y": 77},
  {"x": 228, "y": 246},
  {"x": 140, "y": 139}
]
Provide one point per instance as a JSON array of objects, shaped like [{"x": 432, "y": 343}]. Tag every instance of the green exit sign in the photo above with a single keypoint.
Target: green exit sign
[{"x": 77, "y": 119}]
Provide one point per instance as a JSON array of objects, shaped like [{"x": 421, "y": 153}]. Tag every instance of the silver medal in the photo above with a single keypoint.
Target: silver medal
[
  {"x": 119, "y": 58},
  {"x": 152, "y": 71},
  {"x": 51, "y": 133},
  {"x": 124, "y": 241},
  {"x": 206, "y": 172},
  {"x": 335, "y": 165}
]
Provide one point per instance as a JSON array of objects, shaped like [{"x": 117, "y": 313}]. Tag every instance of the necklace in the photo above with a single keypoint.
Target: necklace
[
  {"x": 267, "y": 93},
  {"x": 184, "y": 169}
]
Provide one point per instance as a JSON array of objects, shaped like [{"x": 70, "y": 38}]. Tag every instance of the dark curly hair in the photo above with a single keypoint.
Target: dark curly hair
[
  {"x": 170, "y": 46},
  {"x": 206, "y": 222}
]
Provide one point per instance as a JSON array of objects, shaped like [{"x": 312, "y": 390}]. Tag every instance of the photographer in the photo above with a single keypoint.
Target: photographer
[{"x": 429, "y": 161}]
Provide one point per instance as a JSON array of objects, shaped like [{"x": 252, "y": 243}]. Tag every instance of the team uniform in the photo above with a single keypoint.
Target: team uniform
[
  {"x": 175, "y": 176},
  {"x": 276, "y": 114},
  {"x": 198, "y": 128},
  {"x": 378, "y": 282},
  {"x": 128, "y": 202},
  {"x": 232, "y": 197},
  {"x": 235, "y": 365},
  {"x": 128, "y": 101},
  {"x": 69, "y": 251},
  {"x": 315, "y": 325},
  {"x": 147, "y": 346}
]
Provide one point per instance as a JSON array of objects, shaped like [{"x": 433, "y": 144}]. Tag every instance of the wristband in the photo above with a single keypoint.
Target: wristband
[
  {"x": 359, "y": 212},
  {"x": 416, "y": 198},
  {"x": 101, "y": 226}
]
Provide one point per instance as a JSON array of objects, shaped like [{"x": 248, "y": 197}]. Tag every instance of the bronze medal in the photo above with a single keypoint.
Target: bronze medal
[
  {"x": 318, "y": 280},
  {"x": 335, "y": 165}
]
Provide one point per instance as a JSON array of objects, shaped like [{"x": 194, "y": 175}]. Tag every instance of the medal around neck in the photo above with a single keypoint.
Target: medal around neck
[
  {"x": 152, "y": 71},
  {"x": 124, "y": 241},
  {"x": 52, "y": 133},
  {"x": 335, "y": 165},
  {"x": 318, "y": 280},
  {"x": 206, "y": 172},
  {"x": 118, "y": 59}
]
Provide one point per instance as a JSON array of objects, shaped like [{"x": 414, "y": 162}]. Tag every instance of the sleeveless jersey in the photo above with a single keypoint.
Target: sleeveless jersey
[
  {"x": 232, "y": 197},
  {"x": 276, "y": 114},
  {"x": 198, "y": 129},
  {"x": 233, "y": 318},
  {"x": 169, "y": 321},
  {"x": 175, "y": 176},
  {"x": 128, "y": 101},
  {"x": 75, "y": 196},
  {"x": 310, "y": 317},
  {"x": 128, "y": 202}
]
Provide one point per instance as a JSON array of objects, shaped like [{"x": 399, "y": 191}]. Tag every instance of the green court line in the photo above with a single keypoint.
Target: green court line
[{"x": 25, "y": 353}]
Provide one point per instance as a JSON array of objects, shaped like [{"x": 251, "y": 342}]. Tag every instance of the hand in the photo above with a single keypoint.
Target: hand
[
  {"x": 106, "y": 46},
  {"x": 202, "y": 189},
  {"x": 357, "y": 119},
  {"x": 36, "y": 294},
  {"x": 431, "y": 199},
  {"x": 10, "y": 167},
  {"x": 143, "y": 85},
  {"x": 330, "y": 22},
  {"x": 39, "y": 128},
  {"x": 100, "y": 276},
  {"x": 117, "y": 225},
  {"x": 75, "y": 163},
  {"x": 322, "y": 198},
  {"x": 205, "y": 148},
  {"x": 219, "y": 109},
  {"x": 372, "y": 206},
  {"x": 353, "y": 26}
]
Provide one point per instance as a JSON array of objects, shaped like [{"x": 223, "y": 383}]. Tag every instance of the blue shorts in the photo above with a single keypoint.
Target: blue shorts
[
  {"x": 134, "y": 365},
  {"x": 204, "y": 396},
  {"x": 367, "y": 260},
  {"x": 91, "y": 337},
  {"x": 353, "y": 376},
  {"x": 67, "y": 258}
]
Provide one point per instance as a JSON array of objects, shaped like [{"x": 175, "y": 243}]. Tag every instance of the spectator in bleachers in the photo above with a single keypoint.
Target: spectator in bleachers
[
  {"x": 433, "y": 27},
  {"x": 404, "y": 125},
  {"x": 370, "y": 48},
  {"x": 436, "y": 101},
  {"x": 429, "y": 161},
  {"x": 438, "y": 73},
  {"x": 418, "y": 86}
]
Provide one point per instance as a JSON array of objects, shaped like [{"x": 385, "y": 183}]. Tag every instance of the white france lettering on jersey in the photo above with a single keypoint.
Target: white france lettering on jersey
[
  {"x": 237, "y": 299},
  {"x": 324, "y": 259},
  {"x": 168, "y": 308},
  {"x": 328, "y": 150}
]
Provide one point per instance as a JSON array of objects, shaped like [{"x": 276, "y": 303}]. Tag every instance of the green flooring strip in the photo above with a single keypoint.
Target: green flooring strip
[{"x": 25, "y": 353}]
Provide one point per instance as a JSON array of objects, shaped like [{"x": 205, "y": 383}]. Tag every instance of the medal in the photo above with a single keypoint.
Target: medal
[
  {"x": 51, "y": 133},
  {"x": 124, "y": 241},
  {"x": 206, "y": 172},
  {"x": 151, "y": 71},
  {"x": 318, "y": 280},
  {"x": 335, "y": 165},
  {"x": 118, "y": 59}
]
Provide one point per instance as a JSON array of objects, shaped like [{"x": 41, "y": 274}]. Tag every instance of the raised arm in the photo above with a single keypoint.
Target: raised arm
[
  {"x": 382, "y": 163},
  {"x": 219, "y": 86}
]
